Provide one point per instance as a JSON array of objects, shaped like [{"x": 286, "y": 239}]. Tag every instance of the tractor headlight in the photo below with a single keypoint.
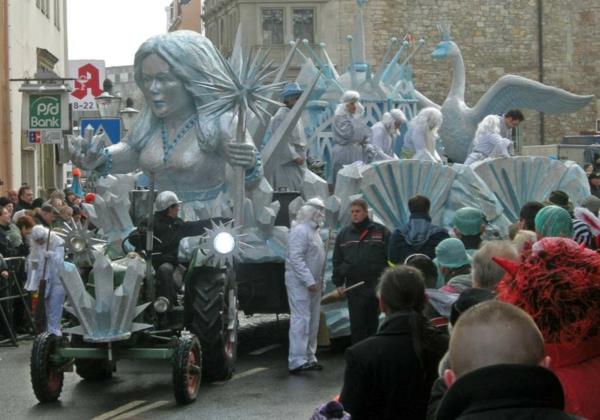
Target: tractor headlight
[
  {"x": 161, "y": 304},
  {"x": 77, "y": 244},
  {"x": 224, "y": 243}
]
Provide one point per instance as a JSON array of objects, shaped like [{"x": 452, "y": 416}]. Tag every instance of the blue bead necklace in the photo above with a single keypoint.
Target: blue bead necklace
[{"x": 169, "y": 146}]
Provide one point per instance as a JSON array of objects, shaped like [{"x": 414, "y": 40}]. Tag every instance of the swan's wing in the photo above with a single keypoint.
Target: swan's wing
[
  {"x": 424, "y": 101},
  {"x": 512, "y": 91}
]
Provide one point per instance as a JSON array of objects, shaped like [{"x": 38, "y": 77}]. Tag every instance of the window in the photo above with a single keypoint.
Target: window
[
  {"x": 124, "y": 77},
  {"x": 303, "y": 22},
  {"x": 272, "y": 26}
]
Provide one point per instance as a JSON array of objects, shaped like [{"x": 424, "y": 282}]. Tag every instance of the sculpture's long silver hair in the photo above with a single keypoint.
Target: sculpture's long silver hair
[{"x": 191, "y": 57}]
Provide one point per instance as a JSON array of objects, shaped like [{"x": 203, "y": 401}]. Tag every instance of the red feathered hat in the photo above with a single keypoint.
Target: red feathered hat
[{"x": 558, "y": 284}]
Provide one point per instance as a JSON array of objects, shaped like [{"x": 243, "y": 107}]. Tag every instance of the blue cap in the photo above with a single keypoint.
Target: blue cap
[
  {"x": 291, "y": 90},
  {"x": 451, "y": 253}
]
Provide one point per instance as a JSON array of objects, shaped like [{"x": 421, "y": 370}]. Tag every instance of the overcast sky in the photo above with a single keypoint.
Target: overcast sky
[{"x": 112, "y": 30}]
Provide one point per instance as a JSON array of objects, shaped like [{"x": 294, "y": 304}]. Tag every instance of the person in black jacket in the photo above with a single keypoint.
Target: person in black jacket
[
  {"x": 498, "y": 369},
  {"x": 389, "y": 375},
  {"x": 170, "y": 229},
  {"x": 360, "y": 254},
  {"x": 419, "y": 236},
  {"x": 6, "y": 247}
]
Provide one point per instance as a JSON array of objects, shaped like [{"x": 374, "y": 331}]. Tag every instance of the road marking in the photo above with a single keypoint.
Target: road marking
[
  {"x": 141, "y": 410},
  {"x": 242, "y": 375},
  {"x": 264, "y": 349},
  {"x": 249, "y": 372},
  {"x": 119, "y": 410}
]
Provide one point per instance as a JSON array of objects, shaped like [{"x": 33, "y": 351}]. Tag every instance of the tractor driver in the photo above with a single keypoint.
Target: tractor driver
[{"x": 170, "y": 229}]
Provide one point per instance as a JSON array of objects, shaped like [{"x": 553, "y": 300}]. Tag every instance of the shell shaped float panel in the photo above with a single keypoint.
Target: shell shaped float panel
[
  {"x": 518, "y": 180},
  {"x": 387, "y": 187}
]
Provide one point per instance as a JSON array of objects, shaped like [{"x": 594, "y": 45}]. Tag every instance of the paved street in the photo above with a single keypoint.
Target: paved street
[{"x": 261, "y": 388}]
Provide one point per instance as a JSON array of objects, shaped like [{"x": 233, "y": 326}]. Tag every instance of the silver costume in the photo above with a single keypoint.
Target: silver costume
[
  {"x": 350, "y": 137},
  {"x": 288, "y": 174}
]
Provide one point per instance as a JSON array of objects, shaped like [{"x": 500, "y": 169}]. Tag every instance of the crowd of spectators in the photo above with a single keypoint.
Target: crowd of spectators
[
  {"x": 20, "y": 211},
  {"x": 475, "y": 327}
]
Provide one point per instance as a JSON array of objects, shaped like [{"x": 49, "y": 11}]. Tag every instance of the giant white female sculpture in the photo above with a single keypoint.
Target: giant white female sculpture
[
  {"x": 510, "y": 91},
  {"x": 188, "y": 148}
]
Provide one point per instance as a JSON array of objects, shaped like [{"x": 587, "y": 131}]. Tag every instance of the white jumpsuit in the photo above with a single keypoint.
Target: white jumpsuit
[
  {"x": 55, "y": 294},
  {"x": 303, "y": 268}
]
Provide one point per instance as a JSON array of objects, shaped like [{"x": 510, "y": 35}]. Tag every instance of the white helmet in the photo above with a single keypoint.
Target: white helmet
[{"x": 166, "y": 199}]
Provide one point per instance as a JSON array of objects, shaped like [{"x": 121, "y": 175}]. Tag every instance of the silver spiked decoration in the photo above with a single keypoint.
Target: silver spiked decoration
[
  {"x": 222, "y": 244},
  {"x": 240, "y": 90}
]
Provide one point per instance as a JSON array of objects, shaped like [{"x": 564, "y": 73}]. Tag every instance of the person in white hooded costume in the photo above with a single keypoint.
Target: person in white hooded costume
[
  {"x": 351, "y": 136},
  {"x": 385, "y": 132},
  {"x": 53, "y": 257},
  {"x": 422, "y": 135},
  {"x": 488, "y": 142},
  {"x": 304, "y": 283}
]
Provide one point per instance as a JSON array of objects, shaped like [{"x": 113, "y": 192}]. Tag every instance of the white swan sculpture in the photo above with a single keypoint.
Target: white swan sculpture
[{"x": 510, "y": 91}]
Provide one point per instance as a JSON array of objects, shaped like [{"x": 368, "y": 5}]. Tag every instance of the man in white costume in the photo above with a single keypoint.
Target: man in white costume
[
  {"x": 351, "y": 136},
  {"x": 422, "y": 135},
  {"x": 53, "y": 257},
  {"x": 288, "y": 173},
  {"x": 304, "y": 283},
  {"x": 488, "y": 142},
  {"x": 385, "y": 132}
]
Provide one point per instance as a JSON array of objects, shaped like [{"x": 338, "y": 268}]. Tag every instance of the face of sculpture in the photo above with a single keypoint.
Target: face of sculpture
[{"x": 163, "y": 91}]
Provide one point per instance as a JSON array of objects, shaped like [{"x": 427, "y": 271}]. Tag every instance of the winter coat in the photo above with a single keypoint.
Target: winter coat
[
  {"x": 306, "y": 255},
  {"x": 384, "y": 378},
  {"x": 578, "y": 368},
  {"x": 419, "y": 236},
  {"x": 6, "y": 247},
  {"x": 511, "y": 392},
  {"x": 287, "y": 173},
  {"x": 360, "y": 253}
]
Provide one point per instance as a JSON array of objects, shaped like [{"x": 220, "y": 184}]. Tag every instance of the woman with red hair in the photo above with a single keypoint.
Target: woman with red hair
[{"x": 558, "y": 284}]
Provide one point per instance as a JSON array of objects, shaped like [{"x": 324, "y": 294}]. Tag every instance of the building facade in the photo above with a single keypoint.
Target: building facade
[
  {"x": 184, "y": 14},
  {"x": 553, "y": 42},
  {"x": 33, "y": 39}
]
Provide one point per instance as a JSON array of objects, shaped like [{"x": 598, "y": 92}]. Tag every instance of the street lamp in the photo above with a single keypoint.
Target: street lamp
[
  {"x": 128, "y": 116},
  {"x": 108, "y": 105}
]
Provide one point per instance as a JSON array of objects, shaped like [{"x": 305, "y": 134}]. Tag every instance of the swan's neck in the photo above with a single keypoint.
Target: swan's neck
[{"x": 457, "y": 90}]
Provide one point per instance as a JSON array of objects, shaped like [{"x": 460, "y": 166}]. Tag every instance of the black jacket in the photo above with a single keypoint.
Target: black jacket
[
  {"x": 419, "y": 236},
  {"x": 6, "y": 248},
  {"x": 360, "y": 253},
  {"x": 384, "y": 378},
  {"x": 505, "y": 392},
  {"x": 170, "y": 231}
]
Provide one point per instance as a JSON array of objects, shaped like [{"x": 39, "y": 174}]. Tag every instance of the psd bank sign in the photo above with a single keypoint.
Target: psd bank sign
[{"x": 44, "y": 112}]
